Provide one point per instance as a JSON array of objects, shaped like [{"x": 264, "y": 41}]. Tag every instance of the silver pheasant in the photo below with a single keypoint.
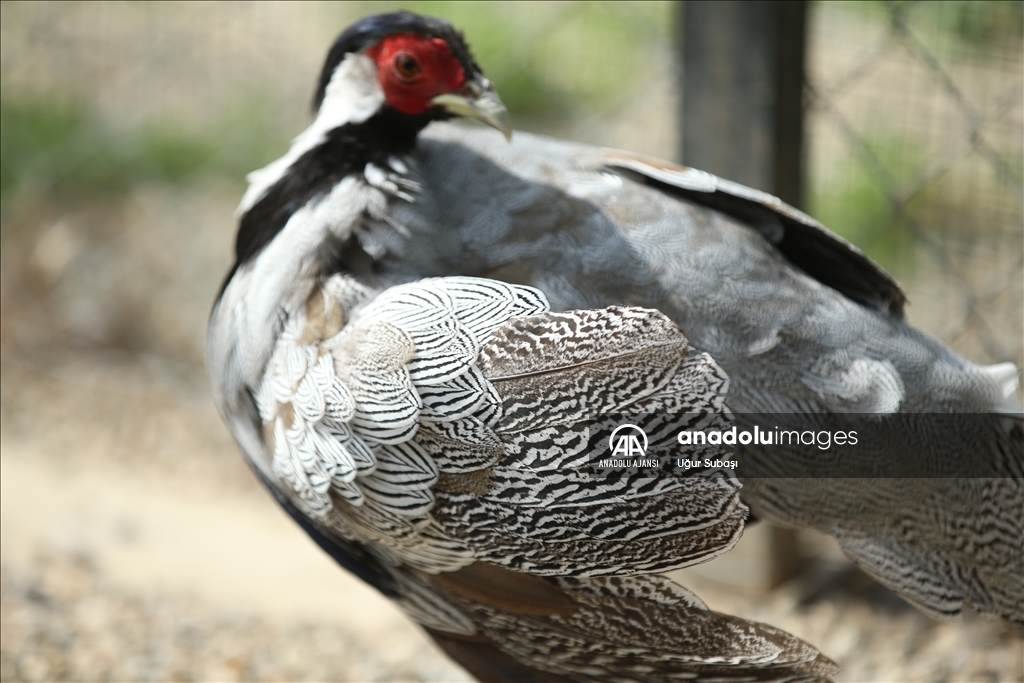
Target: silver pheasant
[{"x": 421, "y": 328}]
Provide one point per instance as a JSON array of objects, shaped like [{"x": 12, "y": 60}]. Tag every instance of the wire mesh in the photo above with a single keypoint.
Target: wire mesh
[{"x": 915, "y": 119}]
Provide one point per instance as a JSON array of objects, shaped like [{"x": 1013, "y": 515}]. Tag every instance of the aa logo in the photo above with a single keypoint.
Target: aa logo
[{"x": 628, "y": 441}]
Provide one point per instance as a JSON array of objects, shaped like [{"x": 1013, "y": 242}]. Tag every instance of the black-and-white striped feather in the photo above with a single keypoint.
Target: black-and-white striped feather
[{"x": 444, "y": 427}]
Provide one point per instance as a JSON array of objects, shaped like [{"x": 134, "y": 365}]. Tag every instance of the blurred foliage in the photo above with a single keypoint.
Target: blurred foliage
[
  {"x": 860, "y": 209},
  {"x": 550, "y": 61},
  {"x": 974, "y": 22},
  {"x": 61, "y": 143},
  {"x": 879, "y": 202},
  {"x": 62, "y": 151}
]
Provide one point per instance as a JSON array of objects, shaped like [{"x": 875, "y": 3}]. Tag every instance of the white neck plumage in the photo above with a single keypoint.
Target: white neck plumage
[
  {"x": 352, "y": 96},
  {"x": 265, "y": 290}
]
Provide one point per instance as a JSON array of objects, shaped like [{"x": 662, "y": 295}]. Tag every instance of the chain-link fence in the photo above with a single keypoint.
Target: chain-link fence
[
  {"x": 127, "y": 129},
  {"x": 915, "y": 131}
]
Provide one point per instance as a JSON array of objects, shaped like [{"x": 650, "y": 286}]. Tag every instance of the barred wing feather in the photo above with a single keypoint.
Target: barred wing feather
[{"x": 442, "y": 425}]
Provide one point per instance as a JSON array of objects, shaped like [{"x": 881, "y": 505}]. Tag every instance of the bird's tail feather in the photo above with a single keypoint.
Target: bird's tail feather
[
  {"x": 644, "y": 628},
  {"x": 1006, "y": 377}
]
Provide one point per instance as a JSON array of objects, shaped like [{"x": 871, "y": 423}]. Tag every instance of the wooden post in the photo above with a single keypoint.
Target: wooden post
[{"x": 742, "y": 76}]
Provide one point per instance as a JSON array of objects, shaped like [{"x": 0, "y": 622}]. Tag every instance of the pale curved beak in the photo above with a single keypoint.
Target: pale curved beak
[{"x": 478, "y": 100}]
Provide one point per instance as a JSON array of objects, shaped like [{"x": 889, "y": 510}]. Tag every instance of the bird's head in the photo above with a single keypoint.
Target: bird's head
[
  {"x": 409, "y": 67},
  {"x": 385, "y": 79}
]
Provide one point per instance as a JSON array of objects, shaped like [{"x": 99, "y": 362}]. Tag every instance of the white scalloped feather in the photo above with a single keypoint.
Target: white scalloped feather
[{"x": 341, "y": 413}]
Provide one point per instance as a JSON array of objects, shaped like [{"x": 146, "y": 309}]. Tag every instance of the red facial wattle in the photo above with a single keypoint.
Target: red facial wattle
[{"x": 414, "y": 69}]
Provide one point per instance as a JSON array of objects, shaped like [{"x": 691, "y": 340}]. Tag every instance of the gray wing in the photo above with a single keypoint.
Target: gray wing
[
  {"x": 805, "y": 242},
  {"x": 561, "y": 217}
]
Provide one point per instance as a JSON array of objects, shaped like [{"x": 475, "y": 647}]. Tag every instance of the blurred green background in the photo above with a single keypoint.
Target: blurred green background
[
  {"x": 913, "y": 117},
  {"x": 126, "y": 131}
]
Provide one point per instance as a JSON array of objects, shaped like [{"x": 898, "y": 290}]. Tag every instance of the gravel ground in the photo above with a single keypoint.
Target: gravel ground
[
  {"x": 64, "y": 620},
  {"x": 136, "y": 546}
]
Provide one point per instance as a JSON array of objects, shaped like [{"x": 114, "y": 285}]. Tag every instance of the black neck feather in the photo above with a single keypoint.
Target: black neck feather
[{"x": 345, "y": 151}]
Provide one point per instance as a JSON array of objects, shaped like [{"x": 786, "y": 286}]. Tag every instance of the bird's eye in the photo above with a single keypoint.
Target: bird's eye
[{"x": 407, "y": 66}]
